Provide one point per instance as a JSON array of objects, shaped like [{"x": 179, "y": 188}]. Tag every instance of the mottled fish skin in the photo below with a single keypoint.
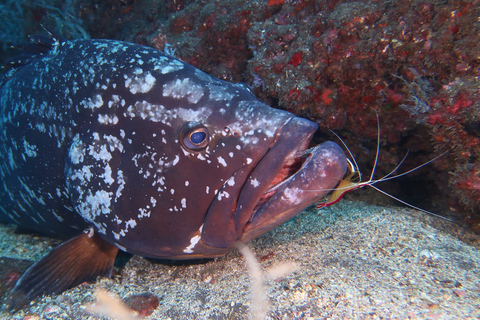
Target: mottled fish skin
[{"x": 96, "y": 133}]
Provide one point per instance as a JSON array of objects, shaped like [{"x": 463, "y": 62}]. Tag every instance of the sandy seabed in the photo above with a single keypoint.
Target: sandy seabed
[{"x": 355, "y": 261}]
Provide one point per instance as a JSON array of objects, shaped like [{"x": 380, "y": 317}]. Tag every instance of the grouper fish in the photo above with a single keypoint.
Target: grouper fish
[{"x": 118, "y": 146}]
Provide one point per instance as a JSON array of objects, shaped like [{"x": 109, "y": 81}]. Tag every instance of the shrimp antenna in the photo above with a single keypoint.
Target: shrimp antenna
[
  {"x": 378, "y": 148},
  {"x": 410, "y": 205},
  {"x": 346, "y": 185},
  {"x": 356, "y": 168}
]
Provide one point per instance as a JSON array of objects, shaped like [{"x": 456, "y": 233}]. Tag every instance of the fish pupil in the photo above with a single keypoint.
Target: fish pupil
[{"x": 198, "y": 137}]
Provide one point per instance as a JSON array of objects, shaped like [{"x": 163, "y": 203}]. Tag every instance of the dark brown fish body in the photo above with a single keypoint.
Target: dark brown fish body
[{"x": 159, "y": 158}]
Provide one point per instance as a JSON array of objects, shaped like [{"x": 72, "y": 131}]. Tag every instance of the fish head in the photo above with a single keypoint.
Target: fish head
[{"x": 194, "y": 165}]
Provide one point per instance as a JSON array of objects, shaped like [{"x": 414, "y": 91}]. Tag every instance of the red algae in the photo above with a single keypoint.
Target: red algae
[
  {"x": 275, "y": 2},
  {"x": 414, "y": 64}
]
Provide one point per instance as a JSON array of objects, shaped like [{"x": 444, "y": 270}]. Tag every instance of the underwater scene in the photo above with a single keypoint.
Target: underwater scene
[{"x": 255, "y": 159}]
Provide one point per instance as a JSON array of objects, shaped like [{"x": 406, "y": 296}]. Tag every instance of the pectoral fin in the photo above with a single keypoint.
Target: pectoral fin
[{"x": 77, "y": 260}]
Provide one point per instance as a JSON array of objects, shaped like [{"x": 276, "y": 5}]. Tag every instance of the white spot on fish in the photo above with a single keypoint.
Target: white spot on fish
[
  {"x": 76, "y": 151},
  {"x": 254, "y": 182},
  {"x": 143, "y": 213},
  {"x": 107, "y": 175},
  {"x": 107, "y": 119},
  {"x": 175, "y": 161},
  {"x": 166, "y": 66},
  {"x": 218, "y": 93},
  {"x": 94, "y": 205},
  {"x": 41, "y": 127},
  {"x": 221, "y": 161},
  {"x": 131, "y": 223},
  {"x": 121, "y": 184},
  {"x": 117, "y": 220},
  {"x": 193, "y": 242},
  {"x": 181, "y": 88},
  {"x": 99, "y": 153},
  {"x": 153, "y": 201},
  {"x": 92, "y": 103},
  {"x": 223, "y": 194},
  {"x": 30, "y": 150},
  {"x": 11, "y": 161},
  {"x": 292, "y": 195},
  {"x": 140, "y": 83}
]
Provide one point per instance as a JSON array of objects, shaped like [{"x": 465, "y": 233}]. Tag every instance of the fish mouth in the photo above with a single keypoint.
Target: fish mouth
[
  {"x": 289, "y": 169},
  {"x": 286, "y": 179},
  {"x": 291, "y": 177}
]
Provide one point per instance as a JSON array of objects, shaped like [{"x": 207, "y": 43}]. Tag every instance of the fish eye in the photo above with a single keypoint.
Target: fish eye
[{"x": 194, "y": 136}]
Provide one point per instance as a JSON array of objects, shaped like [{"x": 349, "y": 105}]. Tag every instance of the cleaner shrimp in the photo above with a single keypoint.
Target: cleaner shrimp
[{"x": 348, "y": 184}]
